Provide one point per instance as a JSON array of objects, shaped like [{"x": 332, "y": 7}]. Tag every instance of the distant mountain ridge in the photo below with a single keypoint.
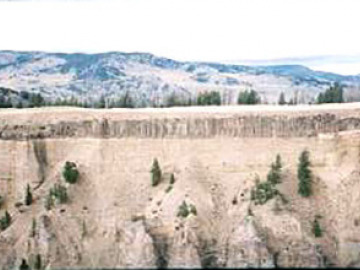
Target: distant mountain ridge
[{"x": 151, "y": 79}]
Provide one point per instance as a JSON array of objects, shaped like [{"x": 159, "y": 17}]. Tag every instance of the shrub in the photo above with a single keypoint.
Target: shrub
[
  {"x": 263, "y": 192},
  {"x": 183, "y": 210},
  {"x": 59, "y": 193},
  {"x": 169, "y": 188},
  {"x": 304, "y": 175},
  {"x": 28, "y": 196},
  {"x": 70, "y": 172},
  {"x": 193, "y": 210},
  {"x": 155, "y": 173}
]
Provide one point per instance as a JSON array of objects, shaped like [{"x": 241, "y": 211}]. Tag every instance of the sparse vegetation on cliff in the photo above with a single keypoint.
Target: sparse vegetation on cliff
[
  {"x": 1, "y": 201},
  {"x": 156, "y": 173},
  {"x": 70, "y": 172},
  {"x": 304, "y": 175}
]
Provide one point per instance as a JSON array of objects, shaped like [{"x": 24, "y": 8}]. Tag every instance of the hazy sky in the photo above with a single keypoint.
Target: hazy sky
[{"x": 201, "y": 30}]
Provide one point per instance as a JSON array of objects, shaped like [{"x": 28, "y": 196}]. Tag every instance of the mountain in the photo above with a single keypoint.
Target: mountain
[{"x": 151, "y": 79}]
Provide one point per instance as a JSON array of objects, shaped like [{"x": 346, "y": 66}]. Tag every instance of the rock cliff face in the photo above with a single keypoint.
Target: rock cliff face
[{"x": 115, "y": 218}]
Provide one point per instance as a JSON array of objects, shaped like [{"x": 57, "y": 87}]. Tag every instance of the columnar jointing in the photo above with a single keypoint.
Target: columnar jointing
[{"x": 187, "y": 127}]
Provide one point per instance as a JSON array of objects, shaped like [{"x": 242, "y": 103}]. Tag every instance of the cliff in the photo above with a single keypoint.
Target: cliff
[{"x": 116, "y": 218}]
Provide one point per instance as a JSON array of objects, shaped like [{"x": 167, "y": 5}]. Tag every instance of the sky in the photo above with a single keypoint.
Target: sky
[{"x": 322, "y": 34}]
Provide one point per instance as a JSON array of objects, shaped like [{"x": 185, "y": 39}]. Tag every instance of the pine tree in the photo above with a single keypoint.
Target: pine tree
[
  {"x": 249, "y": 97},
  {"x": 317, "y": 229},
  {"x": 5, "y": 221},
  {"x": 304, "y": 175},
  {"x": 282, "y": 100},
  {"x": 28, "y": 196},
  {"x": 24, "y": 265},
  {"x": 274, "y": 175},
  {"x": 102, "y": 103},
  {"x": 155, "y": 173}
]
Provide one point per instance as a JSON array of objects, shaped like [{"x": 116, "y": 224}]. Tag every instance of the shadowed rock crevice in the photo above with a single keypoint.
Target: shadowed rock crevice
[
  {"x": 161, "y": 251},
  {"x": 207, "y": 253},
  {"x": 40, "y": 153}
]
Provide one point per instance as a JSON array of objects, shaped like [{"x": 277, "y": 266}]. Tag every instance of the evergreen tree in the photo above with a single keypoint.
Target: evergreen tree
[
  {"x": 317, "y": 229},
  {"x": 155, "y": 173},
  {"x": 209, "y": 98},
  {"x": 304, "y": 175},
  {"x": 282, "y": 100},
  {"x": 332, "y": 95},
  {"x": 5, "y": 221},
  {"x": 126, "y": 101},
  {"x": 20, "y": 105},
  {"x": 249, "y": 97},
  {"x": 28, "y": 196},
  {"x": 274, "y": 175},
  {"x": 102, "y": 103},
  {"x": 36, "y": 100}
]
